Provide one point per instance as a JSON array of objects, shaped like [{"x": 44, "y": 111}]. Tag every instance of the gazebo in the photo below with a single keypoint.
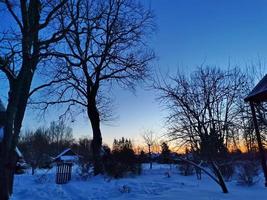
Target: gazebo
[
  {"x": 258, "y": 95},
  {"x": 64, "y": 162}
]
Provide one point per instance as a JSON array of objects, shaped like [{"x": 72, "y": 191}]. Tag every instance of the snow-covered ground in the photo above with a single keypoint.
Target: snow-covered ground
[{"x": 152, "y": 184}]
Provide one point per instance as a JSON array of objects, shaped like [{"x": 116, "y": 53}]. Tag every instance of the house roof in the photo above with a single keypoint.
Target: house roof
[{"x": 259, "y": 92}]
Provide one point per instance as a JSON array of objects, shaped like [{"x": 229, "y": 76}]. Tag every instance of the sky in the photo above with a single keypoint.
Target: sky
[{"x": 189, "y": 33}]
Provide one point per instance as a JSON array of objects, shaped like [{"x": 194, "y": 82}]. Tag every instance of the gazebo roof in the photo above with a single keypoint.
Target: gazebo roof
[
  {"x": 67, "y": 156},
  {"x": 259, "y": 92}
]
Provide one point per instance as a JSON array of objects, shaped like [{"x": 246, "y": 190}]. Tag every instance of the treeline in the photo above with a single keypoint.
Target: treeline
[
  {"x": 207, "y": 112},
  {"x": 208, "y": 115},
  {"x": 40, "y": 146}
]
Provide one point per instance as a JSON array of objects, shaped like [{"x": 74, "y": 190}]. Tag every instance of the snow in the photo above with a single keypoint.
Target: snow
[
  {"x": 69, "y": 158},
  {"x": 1, "y": 134},
  {"x": 152, "y": 184},
  {"x": 62, "y": 153},
  {"x": 64, "y": 157}
]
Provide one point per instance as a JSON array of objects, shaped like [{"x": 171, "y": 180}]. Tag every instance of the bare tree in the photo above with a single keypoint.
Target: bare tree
[
  {"x": 150, "y": 140},
  {"x": 60, "y": 136},
  {"x": 106, "y": 46},
  {"x": 37, "y": 146},
  {"x": 22, "y": 50},
  {"x": 204, "y": 111}
]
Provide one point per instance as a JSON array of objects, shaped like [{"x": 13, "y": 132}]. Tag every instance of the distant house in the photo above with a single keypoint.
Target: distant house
[{"x": 67, "y": 156}]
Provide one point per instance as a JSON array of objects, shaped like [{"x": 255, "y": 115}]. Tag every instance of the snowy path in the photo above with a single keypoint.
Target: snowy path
[{"x": 151, "y": 185}]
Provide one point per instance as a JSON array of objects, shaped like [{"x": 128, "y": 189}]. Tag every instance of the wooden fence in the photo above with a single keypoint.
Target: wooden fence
[{"x": 63, "y": 173}]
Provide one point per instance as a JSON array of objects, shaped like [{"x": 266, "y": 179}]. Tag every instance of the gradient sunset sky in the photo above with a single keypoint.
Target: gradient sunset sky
[{"x": 189, "y": 33}]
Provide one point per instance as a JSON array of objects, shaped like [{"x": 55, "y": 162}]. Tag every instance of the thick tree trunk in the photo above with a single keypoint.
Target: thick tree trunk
[
  {"x": 94, "y": 117},
  {"x": 260, "y": 146},
  {"x": 7, "y": 151},
  {"x": 5, "y": 193},
  {"x": 4, "y": 178},
  {"x": 7, "y": 169},
  {"x": 18, "y": 97}
]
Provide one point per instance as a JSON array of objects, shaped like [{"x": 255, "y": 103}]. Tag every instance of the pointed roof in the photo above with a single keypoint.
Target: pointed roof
[
  {"x": 259, "y": 92},
  {"x": 67, "y": 156},
  {"x": 2, "y": 107}
]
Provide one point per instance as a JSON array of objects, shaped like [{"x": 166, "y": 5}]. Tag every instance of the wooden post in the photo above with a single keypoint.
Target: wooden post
[{"x": 261, "y": 149}]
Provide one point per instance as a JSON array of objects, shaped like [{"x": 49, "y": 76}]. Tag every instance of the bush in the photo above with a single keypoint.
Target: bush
[
  {"x": 227, "y": 170},
  {"x": 84, "y": 171},
  {"x": 122, "y": 160},
  {"x": 186, "y": 169},
  {"x": 248, "y": 173}
]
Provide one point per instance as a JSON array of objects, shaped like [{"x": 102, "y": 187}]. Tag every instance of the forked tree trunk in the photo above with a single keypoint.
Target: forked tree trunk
[
  {"x": 94, "y": 117},
  {"x": 218, "y": 174}
]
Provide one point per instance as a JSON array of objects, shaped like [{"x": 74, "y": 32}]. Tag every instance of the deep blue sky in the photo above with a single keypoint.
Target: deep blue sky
[{"x": 189, "y": 33}]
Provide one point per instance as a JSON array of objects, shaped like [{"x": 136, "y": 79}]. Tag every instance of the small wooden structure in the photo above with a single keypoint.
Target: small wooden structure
[
  {"x": 258, "y": 95},
  {"x": 64, "y": 162},
  {"x": 63, "y": 173}
]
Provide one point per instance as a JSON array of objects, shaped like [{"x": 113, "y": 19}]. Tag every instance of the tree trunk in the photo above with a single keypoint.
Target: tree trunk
[
  {"x": 7, "y": 165},
  {"x": 4, "y": 178},
  {"x": 150, "y": 156},
  {"x": 18, "y": 97},
  {"x": 219, "y": 176},
  {"x": 5, "y": 193},
  {"x": 7, "y": 169},
  {"x": 260, "y": 146},
  {"x": 94, "y": 117}
]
